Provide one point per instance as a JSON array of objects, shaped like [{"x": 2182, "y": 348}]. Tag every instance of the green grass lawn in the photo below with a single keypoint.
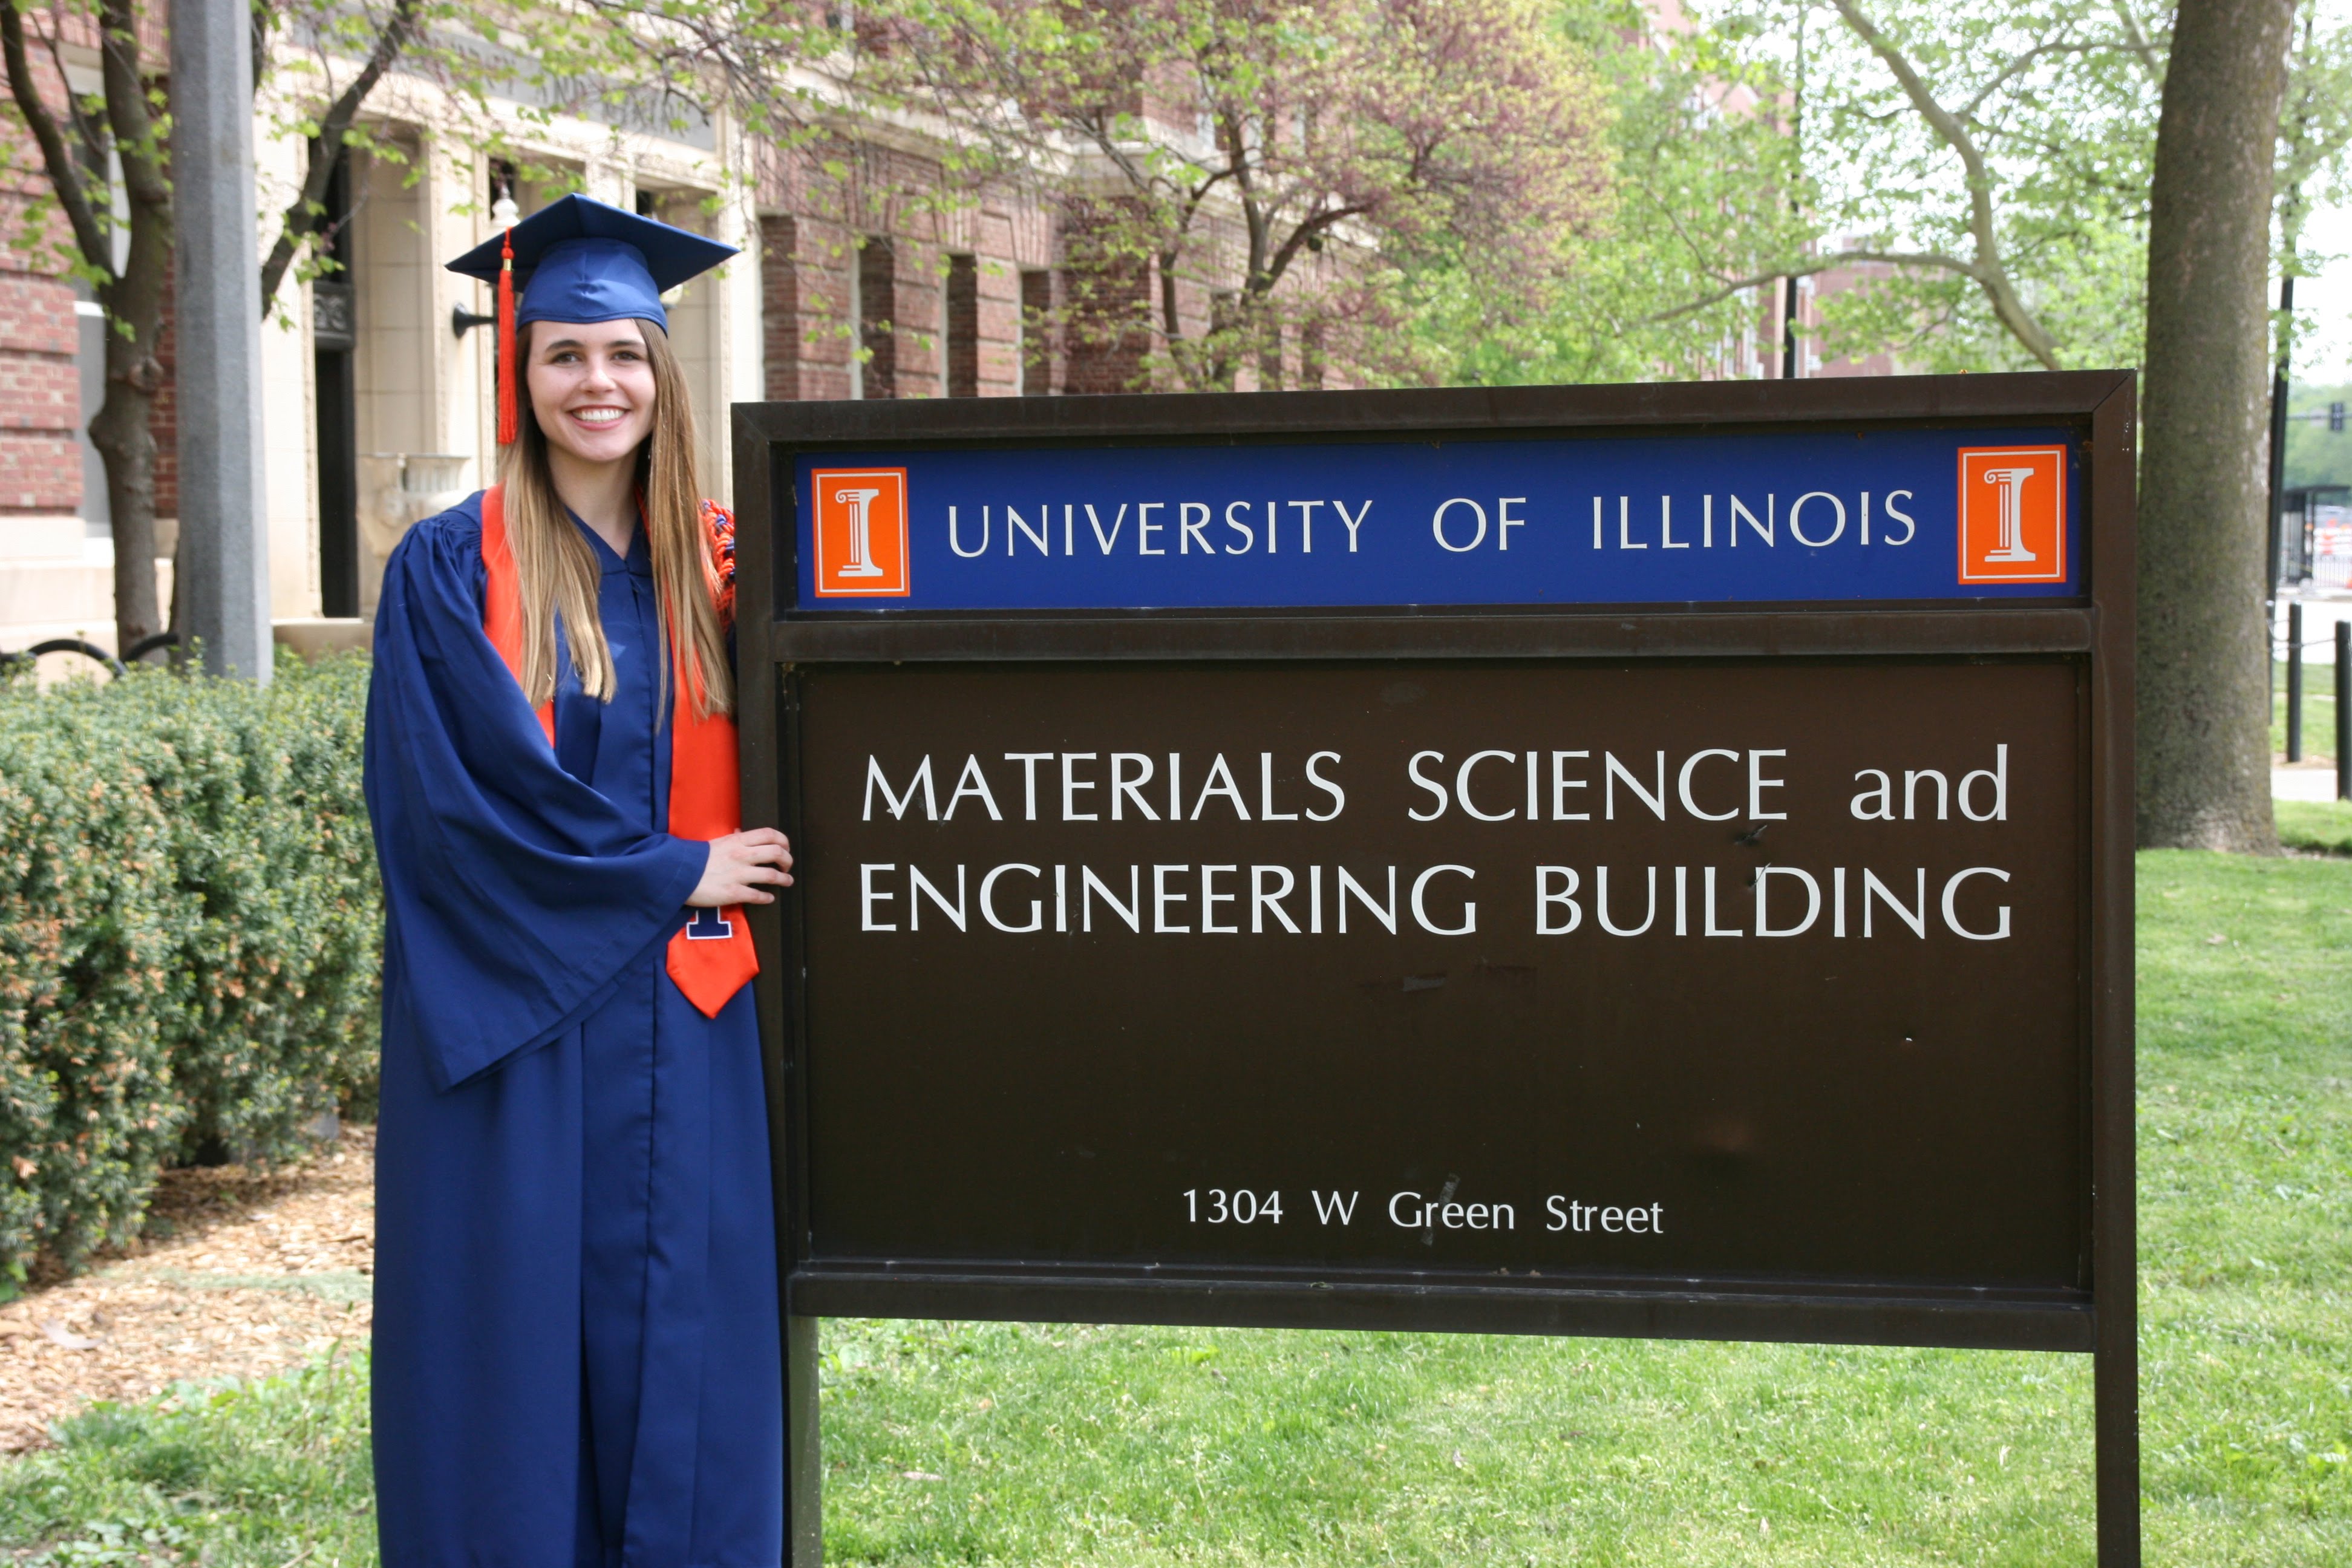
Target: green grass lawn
[
  {"x": 2318, "y": 709},
  {"x": 2324, "y": 825},
  {"x": 229, "y": 1474},
  {"x": 1019, "y": 1444}
]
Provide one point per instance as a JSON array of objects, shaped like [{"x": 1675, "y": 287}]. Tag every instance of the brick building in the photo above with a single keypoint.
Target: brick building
[
  {"x": 56, "y": 561},
  {"x": 43, "y": 558},
  {"x": 865, "y": 275}
]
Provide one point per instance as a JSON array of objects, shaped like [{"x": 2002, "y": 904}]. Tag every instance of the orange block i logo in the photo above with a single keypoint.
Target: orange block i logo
[
  {"x": 861, "y": 532},
  {"x": 2012, "y": 514}
]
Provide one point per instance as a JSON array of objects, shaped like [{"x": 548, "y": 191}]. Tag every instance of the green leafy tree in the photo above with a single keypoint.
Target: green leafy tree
[
  {"x": 1284, "y": 158},
  {"x": 2315, "y": 137},
  {"x": 1998, "y": 158},
  {"x": 1986, "y": 168},
  {"x": 1706, "y": 198},
  {"x": 1990, "y": 166},
  {"x": 2316, "y": 455}
]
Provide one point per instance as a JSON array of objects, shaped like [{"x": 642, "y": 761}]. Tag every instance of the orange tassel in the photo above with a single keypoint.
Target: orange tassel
[{"x": 509, "y": 423}]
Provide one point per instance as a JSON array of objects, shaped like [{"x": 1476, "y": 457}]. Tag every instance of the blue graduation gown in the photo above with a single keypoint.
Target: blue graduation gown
[{"x": 576, "y": 1329}]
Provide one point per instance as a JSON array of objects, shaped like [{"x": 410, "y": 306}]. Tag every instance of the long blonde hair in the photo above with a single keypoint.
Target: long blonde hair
[{"x": 556, "y": 568}]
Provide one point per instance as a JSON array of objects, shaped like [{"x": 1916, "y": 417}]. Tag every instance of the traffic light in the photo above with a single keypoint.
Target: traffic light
[{"x": 2335, "y": 417}]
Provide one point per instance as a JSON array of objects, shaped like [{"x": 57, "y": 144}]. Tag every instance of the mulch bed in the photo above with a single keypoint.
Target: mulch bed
[{"x": 242, "y": 1273}]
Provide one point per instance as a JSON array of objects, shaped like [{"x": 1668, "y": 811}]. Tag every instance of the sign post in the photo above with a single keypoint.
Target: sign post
[{"x": 1637, "y": 861}]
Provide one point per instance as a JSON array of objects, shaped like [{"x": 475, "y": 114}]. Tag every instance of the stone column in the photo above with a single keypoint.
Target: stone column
[{"x": 223, "y": 583}]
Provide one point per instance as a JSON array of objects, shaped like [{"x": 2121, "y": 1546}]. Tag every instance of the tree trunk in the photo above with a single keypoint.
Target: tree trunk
[
  {"x": 2204, "y": 650},
  {"x": 122, "y": 429},
  {"x": 126, "y": 445}
]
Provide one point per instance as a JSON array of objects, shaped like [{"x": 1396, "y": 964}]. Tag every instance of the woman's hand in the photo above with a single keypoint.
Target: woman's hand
[{"x": 742, "y": 866}]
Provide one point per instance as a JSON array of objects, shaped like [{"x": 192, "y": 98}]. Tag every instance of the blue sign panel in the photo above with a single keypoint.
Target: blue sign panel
[{"x": 1883, "y": 515}]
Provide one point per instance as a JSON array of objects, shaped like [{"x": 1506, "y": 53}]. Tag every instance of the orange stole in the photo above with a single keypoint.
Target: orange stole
[{"x": 711, "y": 956}]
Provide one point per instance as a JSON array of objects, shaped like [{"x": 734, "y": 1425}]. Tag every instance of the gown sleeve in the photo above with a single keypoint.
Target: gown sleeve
[{"x": 514, "y": 893}]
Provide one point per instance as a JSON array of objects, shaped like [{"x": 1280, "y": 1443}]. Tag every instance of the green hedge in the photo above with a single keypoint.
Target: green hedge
[{"x": 189, "y": 934}]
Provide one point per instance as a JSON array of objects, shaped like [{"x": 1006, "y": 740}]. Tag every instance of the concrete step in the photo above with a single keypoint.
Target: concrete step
[{"x": 41, "y": 599}]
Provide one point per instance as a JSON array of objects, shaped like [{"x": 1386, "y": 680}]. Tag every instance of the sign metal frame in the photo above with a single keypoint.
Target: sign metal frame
[{"x": 2096, "y": 631}]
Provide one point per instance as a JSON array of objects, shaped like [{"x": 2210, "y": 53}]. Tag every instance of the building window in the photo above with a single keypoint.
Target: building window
[
  {"x": 963, "y": 327},
  {"x": 857, "y": 314},
  {"x": 877, "y": 279},
  {"x": 1036, "y": 343},
  {"x": 334, "y": 340},
  {"x": 1269, "y": 358},
  {"x": 1224, "y": 327}
]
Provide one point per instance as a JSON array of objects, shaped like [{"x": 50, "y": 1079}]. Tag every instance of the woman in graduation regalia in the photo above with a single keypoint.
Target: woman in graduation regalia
[{"x": 576, "y": 1318}]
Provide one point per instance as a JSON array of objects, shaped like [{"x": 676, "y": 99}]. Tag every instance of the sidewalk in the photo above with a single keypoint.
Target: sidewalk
[{"x": 2303, "y": 780}]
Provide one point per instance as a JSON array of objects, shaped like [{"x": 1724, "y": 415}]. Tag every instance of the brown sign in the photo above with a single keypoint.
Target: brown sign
[
  {"x": 1727, "y": 969},
  {"x": 1579, "y": 925}
]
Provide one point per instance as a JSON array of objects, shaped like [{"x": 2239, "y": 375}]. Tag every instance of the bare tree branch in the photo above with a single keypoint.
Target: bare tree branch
[
  {"x": 304, "y": 215},
  {"x": 1990, "y": 274},
  {"x": 136, "y": 140},
  {"x": 2137, "y": 37},
  {"x": 1307, "y": 229},
  {"x": 2018, "y": 66},
  {"x": 1939, "y": 261}
]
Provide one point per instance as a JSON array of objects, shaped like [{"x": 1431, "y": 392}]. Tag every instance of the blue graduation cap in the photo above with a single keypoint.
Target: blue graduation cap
[{"x": 581, "y": 260}]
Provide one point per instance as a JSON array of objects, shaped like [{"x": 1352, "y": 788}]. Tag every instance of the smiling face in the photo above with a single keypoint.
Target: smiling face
[{"x": 592, "y": 388}]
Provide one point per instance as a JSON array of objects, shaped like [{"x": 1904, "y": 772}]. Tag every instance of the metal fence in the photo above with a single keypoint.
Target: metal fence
[
  {"x": 2315, "y": 539},
  {"x": 2295, "y": 643}
]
